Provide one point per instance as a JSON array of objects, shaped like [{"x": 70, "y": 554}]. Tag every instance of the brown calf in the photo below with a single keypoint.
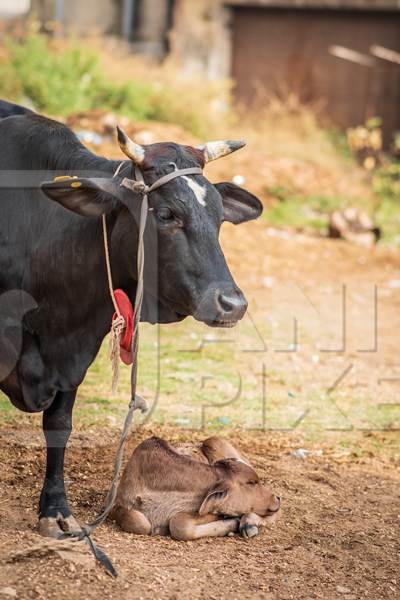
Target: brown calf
[{"x": 192, "y": 493}]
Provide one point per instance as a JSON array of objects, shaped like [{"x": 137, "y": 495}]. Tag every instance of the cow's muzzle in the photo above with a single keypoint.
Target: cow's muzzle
[{"x": 221, "y": 307}]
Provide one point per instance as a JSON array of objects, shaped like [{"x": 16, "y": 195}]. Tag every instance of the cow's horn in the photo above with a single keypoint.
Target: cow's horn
[
  {"x": 214, "y": 150},
  {"x": 134, "y": 151}
]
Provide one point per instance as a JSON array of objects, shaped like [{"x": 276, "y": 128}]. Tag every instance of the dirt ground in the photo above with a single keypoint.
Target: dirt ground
[{"x": 338, "y": 535}]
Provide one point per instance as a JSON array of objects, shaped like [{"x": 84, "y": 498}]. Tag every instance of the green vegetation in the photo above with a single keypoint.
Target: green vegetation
[
  {"x": 339, "y": 141},
  {"x": 65, "y": 81},
  {"x": 300, "y": 211},
  {"x": 386, "y": 185},
  {"x": 310, "y": 212},
  {"x": 62, "y": 79},
  {"x": 195, "y": 379},
  {"x": 378, "y": 173}
]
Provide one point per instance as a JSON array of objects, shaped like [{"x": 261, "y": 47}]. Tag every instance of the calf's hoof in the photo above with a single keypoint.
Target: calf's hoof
[
  {"x": 54, "y": 527},
  {"x": 248, "y": 530}
]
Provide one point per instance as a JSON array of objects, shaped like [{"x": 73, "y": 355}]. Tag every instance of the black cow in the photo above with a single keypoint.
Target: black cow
[
  {"x": 55, "y": 309},
  {"x": 7, "y": 109}
]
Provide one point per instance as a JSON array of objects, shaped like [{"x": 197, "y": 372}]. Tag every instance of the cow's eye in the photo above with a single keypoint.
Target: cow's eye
[
  {"x": 165, "y": 215},
  {"x": 252, "y": 483}
]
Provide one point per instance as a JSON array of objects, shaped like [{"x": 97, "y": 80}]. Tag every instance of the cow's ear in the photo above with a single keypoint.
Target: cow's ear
[
  {"x": 87, "y": 197},
  {"x": 214, "y": 499},
  {"x": 239, "y": 205}
]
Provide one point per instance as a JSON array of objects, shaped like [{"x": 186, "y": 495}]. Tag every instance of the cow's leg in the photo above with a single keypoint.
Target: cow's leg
[
  {"x": 55, "y": 515},
  {"x": 184, "y": 526}
]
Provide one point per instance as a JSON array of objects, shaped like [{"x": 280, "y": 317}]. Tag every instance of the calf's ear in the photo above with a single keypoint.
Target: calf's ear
[
  {"x": 239, "y": 205},
  {"x": 214, "y": 499},
  {"x": 87, "y": 197}
]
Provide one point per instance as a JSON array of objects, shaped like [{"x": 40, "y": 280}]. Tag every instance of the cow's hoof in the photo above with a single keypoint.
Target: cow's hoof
[
  {"x": 54, "y": 527},
  {"x": 248, "y": 531}
]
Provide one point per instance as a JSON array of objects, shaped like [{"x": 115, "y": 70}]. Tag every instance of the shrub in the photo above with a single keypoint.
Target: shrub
[
  {"x": 54, "y": 82},
  {"x": 386, "y": 185},
  {"x": 308, "y": 212},
  {"x": 60, "y": 78}
]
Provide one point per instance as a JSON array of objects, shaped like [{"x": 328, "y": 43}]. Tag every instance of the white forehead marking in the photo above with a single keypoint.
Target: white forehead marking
[{"x": 197, "y": 189}]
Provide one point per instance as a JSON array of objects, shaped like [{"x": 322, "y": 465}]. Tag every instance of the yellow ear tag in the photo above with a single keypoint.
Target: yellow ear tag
[
  {"x": 76, "y": 184},
  {"x": 64, "y": 177}
]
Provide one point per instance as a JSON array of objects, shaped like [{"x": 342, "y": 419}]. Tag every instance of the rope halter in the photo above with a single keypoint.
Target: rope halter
[{"x": 118, "y": 324}]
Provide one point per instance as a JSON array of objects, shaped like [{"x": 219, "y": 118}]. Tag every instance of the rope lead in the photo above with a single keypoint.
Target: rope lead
[{"x": 117, "y": 327}]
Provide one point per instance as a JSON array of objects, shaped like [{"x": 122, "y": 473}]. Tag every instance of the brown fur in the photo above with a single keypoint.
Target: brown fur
[{"x": 191, "y": 491}]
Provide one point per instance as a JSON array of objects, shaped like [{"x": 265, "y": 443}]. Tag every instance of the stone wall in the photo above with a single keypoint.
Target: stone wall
[
  {"x": 151, "y": 28},
  {"x": 105, "y": 16},
  {"x": 200, "y": 40},
  {"x": 83, "y": 17}
]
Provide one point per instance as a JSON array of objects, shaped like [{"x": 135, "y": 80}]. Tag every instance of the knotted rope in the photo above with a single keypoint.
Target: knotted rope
[{"x": 118, "y": 324}]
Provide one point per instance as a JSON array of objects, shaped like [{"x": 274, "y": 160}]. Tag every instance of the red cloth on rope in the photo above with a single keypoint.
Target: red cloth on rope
[{"x": 126, "y": 310}]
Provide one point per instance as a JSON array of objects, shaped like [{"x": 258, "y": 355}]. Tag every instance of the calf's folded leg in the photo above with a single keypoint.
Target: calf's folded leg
[
  {"x": 185, "y": 526},
  {"x": 251, "y": 523},
  {"x": 132, "y": 521}
]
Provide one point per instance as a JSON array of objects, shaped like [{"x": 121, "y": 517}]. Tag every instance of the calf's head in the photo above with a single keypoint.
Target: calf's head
[
  {"x": 184, "y": 223},
  {"x": 238, "y": 492}
]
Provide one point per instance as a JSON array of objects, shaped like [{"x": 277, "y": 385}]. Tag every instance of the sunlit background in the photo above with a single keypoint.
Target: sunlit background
[
  {"x": 307, "y": 385},
  {"x": 315, "y": 91}
]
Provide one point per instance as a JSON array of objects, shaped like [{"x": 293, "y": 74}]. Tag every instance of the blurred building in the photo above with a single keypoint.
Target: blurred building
[
  {"x": 329, "y": 53},
  {"x": 13, "y": 8},
  {"x": 144, "y": 23},
  {"x": 326, "y": 52}
]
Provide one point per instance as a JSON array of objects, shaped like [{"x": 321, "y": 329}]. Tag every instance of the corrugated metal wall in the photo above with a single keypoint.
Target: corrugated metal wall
[{"x": 288, "y": 50}]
